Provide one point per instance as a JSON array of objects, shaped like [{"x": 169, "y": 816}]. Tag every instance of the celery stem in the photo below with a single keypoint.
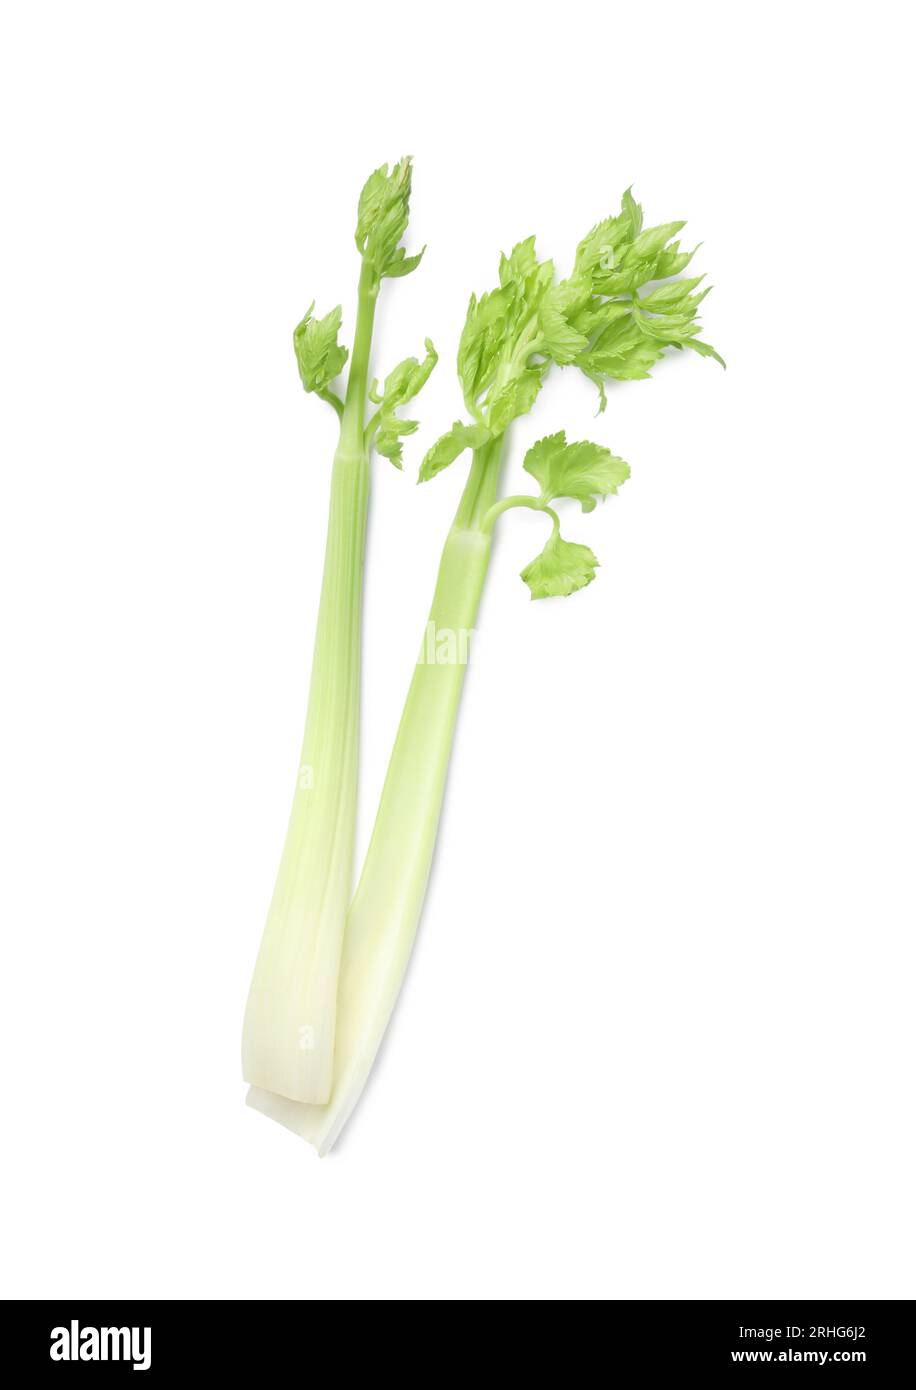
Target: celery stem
[{"x": 288, "y": 1036}]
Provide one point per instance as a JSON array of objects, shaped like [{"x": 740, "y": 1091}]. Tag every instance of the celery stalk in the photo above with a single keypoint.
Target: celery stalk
[
  {"x": 288, "y": 1034},
  {"x": 288, "y": 1037}
]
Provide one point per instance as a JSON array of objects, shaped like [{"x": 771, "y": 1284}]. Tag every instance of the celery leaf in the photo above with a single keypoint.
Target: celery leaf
[
  {"x": 514, "y": 399},
  {"x": 561, "y": 568},
  {"x": 453, "y": 443},
  {"x": 319, "y": 355},
  {"x": 401, "y": 385},
  {"x": 582, "y": 471}
]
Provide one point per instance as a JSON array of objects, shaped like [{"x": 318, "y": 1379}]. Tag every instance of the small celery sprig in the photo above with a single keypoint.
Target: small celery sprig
[
  {"x": 583, "y": 472},
  {"x": 319, "y": 356},
  {"x": 401, "y": 385},
  {"x": 290, "y": 1021},
  {"x": 384, "y": 208}
]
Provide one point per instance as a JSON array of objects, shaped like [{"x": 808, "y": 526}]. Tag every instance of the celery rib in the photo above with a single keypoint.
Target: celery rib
[{"x": 290, "y": 1017}]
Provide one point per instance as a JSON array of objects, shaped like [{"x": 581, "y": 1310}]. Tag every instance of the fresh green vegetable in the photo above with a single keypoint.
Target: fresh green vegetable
[
  {"x": 288, "y": 1037},
  {"x": 612, "y": 318}
]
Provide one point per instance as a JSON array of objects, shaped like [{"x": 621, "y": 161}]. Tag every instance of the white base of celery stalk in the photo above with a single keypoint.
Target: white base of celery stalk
[
  {"x": 374, "y": 978},
  {"x": 319, "y": 1125}
]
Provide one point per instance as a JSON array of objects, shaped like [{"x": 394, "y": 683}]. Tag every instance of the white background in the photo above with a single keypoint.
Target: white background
[{"x": 657, "y": 1037}]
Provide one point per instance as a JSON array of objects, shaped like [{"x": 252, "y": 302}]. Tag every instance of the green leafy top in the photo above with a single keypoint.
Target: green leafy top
[
  {"x": 401, "y": 385},
  {"x": 596, "y": 319},
  {"x": 384, "y": 207}
]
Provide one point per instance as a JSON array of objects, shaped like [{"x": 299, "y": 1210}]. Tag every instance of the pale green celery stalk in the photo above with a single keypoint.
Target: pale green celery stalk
[
  {"x": 289, "y": 1028},
  {"x": 597, "y": 321},
  {"x": 382, "y": 921},
  {"x": 288, "y": 1038}
]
